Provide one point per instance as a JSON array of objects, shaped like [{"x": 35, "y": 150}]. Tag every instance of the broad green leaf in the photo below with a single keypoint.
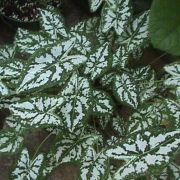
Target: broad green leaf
[
  {"x": 7, "y": 52},
  {"x": 144, "y": 151},
  {"x": 165, "y": 32},
  {"x": 38, "y": 111},
  {"x": 10, "y": 142},
  {"x": 50, "y": 66},
  {"x": 94, "y": 166},
  {"x": 94, "y": 4},
  {"x": 116, "y": 15},
  {"x": 126, "y": 90},
  {"x": 98, "y": 62},
  {"x": 120, "y": 58},
  {"x": 136, "y": 34},
  {"x": 30, "y": 41},
  {"x": 101, "y": 103},
  {"x": 68, "y": 148},
  {"x": 174, "y": 71},
  {"x": 52, "y": 22},
  {"x": 26, "y": 168},
  {"x": 75, "y": 108}
]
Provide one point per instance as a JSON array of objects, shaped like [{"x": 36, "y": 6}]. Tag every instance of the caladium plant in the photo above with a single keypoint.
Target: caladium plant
[{"x": 73, "y": 82}]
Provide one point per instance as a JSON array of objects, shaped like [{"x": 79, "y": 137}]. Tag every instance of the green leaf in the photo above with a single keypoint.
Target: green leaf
[
  {"x": 76, "y": 106},
  {"x": 10, "y": 142},
  {"x": 37, "y": 111},
  {"x": 144, "y": 151},
  {"x": 52, "y": 22},
  {"x": 94, "y": 165},
  {"x": 136, "y": 34},
  {"x": 94, "y": 4},
  {"x": 98, "y": 62},
  {"x": 30, "y": 41},
  {"x": 7, "y": 52},
  {"x": 175, "y": 168},
  {"x": 116, "y": 15},
  {"x": 27, "y": 169},
  {"x": 50, "y": 66},
  {"x": 164, "y": 26},
  {"x": 126, "y": 90},
  {"x": 68, "y": 148}
]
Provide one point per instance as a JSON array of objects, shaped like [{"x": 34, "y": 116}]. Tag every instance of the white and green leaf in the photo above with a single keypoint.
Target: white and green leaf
[
  {"x": 94, "y": 4},
  {"x": 7, "y": 52}
]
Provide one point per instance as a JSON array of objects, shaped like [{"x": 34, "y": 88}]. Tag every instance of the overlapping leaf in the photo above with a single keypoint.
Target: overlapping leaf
[
  {"x": 26, "y": 168},
  {"x": 144, "y": 152},
  {"x": 10, "y": 142},
  {"x": 50, "y": 66},
  {"x": 136, "y": 34},
  {"x": 7, "y": 52},
  {"x": 94, "y": 4},
  {"x": 94, "y": 166},
  {"x": 68, "y": 148},
  {"x": 37, "y": 111},
  {"x": 98, "y": 62},
  {"x": 52, "y": 22},
  {"x": 115, "y": 15},
  {"x": 76, "y": 107},
  {"x": 30, "y": 41},
  {"x": 175, "y": 169}
]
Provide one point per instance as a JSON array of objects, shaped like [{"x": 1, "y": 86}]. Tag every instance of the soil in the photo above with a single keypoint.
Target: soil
[{"x": 73, "y": 11}]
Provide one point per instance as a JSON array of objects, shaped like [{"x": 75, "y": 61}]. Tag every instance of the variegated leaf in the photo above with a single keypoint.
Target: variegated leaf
[
  {"x": 94, "y": 4},
  {"x": 7, "y": 52},
  {"x": 136, "y": 34},
  {"x": 173, "y": 110},
  {"x": 4, "y": 90},
  {"x": 145, "y": 151},
  {"x": 10, "y": 141},
  {"x": 98, "y": 62},
  {"x": 11, "y": 69},
  {"x": 50, "y": 66},
  {"x": 30, "y": 41},
  {"x": 116, "y": 15},
  {"x": 175, "y": 169},
  {"x": 38, "y": 111},
  {"x": 94, "y": 166},
  {"x": 76, "y": 106},
  {"x": 108, "y": 80},
  {"x": 101, "y": 103},
  {"x": 120, "y": 58},
  {"x": 119, "y": 125},
  {"x": 5, "y": 102},
  {"x": 26, "y": 168},
  {"x": 126, "y": 90},
  {"x": 174, "y": 71},
  {"x": 148, "y": 116},
  {"x": 52, "y": 22},
  {"x": 68, "y": 148}
]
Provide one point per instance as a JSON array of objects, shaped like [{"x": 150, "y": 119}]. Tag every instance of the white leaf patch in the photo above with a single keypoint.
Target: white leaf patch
[
  {"x": 29, "y": 41},
  {"x": 10, "y": 142},
  {"x": 93, "y": 166},
  {"x": 27, "y": 169},
  {"x": 38, "y": 111},
  {"x": 175, "y": 168},
  {"x": 52, "y": 22},
  {"x": 143, "y": 152},
  {"x": 98, "y": 62},
  {"x": 126, "y": 90},
  {"x": 4, "y": 90},
  {"x": 77, "y": 101},
  {"x": 94, "y": 4},
  {"x": 116, "y": 15},
  {"x": 68, "y": 148},
  {"x": 7, "y": 52},
  {"x": 49, "y": 66},
  {"x": 136, "y": 34}
]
